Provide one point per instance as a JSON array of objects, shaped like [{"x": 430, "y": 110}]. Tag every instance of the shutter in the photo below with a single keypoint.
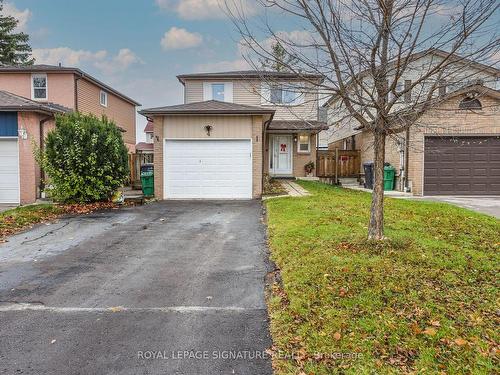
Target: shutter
[
  {"x": 228, "y": 92},
  {"x": 207, "y": 91}
]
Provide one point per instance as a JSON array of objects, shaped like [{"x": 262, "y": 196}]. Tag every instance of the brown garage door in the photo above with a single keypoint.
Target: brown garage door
[{"x": 462, "y": 166}]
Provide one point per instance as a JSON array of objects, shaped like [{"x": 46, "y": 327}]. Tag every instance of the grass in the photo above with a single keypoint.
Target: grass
[
  {"x": 19, "y": 218},
  {"x": 425, "y": 301}
]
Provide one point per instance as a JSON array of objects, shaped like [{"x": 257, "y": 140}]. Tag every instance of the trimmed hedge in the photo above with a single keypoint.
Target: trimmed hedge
[{"x": 84, "y": 158}]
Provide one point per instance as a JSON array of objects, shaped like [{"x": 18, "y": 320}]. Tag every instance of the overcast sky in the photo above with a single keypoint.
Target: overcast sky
[{"x": 136, "y": 46}]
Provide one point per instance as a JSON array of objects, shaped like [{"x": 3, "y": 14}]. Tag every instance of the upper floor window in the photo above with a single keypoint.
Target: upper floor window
[
  {"x": 39, "y": 87},
  {"x": 281, "y": 94},
  {"x": 103, "y": 98},
  {"x": 221, "y": 91}
]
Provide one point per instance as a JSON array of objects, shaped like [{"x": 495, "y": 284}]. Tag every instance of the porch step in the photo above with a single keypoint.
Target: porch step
[{"x": 348, "y": 181}]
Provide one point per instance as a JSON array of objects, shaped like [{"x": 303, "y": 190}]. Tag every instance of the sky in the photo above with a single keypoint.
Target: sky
[{"x": 136, "y": 46}]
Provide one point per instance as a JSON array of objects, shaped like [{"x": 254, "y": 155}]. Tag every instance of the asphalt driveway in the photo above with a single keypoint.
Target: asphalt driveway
[
  {"x": 167, "y": 288},
  {"x": 489, "y": 205}
]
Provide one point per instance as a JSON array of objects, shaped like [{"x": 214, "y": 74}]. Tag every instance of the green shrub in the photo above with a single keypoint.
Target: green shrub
[{"x": 84, "y": 158}]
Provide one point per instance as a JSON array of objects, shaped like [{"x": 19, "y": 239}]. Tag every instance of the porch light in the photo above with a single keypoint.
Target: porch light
[
  {"x": 23, "y": 133},
  {"x": 295, "y": 138},
  {"x": 208, "y": 129}
]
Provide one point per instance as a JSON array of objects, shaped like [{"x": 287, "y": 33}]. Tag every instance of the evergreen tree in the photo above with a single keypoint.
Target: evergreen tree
[
  {"x": 14, "y": 47},
  {"x": 280, "y": 60}
]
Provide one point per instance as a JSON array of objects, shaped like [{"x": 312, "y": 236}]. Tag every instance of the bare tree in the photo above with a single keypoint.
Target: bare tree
[{"x": 366, "y": 49}]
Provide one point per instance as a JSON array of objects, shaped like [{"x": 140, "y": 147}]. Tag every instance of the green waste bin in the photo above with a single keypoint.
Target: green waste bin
[
  {"x": 389, "y": 176},
  {"x": 147, "y": 180}
]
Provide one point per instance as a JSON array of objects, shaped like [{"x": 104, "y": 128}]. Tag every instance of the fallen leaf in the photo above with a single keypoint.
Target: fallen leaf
[
  {"x": 460, "y": 342},
  {"x": 435, "y": 323},
  {"x": 430, "y": 331},
  {"x": 53, "y": 341},
  {"x": 115, "y": 309},
  {"x": 337, "y": 336}
]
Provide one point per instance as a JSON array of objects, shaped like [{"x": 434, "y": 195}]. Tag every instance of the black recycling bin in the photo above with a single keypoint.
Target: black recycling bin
[{"x": 368, "y": 168}]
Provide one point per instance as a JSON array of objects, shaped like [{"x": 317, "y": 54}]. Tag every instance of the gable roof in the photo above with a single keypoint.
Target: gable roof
[
  {"x": 150, "y": 127},
  {"x": 208, "y": 107},
  {"x": 44, "y": 68},
  {"x": 247, "y": 74},
  {"x": 13, "y": 102},
  {"x": 430, "y": 51}
]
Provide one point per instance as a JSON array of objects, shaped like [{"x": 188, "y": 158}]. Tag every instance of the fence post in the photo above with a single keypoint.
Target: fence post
[{"x": 336, "y": 165}]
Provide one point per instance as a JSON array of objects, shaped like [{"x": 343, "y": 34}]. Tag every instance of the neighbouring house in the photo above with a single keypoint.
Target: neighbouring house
[
  {"x": 232, "y": 130},
  {"x": 145, "y": 150},
  {"x": 73, "y": 89},
  {"x": 30, "y": 96},
  {"x": 23, "y": 124},
  {"x": 453, "y": 149}
]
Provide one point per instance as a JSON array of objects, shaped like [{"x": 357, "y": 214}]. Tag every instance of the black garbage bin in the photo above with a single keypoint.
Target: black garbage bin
[{"x": 368, "y": 168}]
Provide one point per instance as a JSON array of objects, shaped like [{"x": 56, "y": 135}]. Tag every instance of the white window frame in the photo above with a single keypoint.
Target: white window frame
[
  {"x": 299, "y": 151},
  {"x": 39, "y": 75},
  {"x": 105, "y": 103},
  {"x": 228, "y": 91}
]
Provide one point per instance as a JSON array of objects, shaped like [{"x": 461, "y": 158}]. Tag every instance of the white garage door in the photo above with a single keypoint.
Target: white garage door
[
  {"x": 9, "y": 171},
  {"x": 211, "y": 169}
]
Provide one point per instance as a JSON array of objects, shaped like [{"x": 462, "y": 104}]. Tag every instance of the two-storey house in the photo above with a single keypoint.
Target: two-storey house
[
  {"x": 30, "y": 97},
  {"x": 454, "y": 147},
  {"x": 232, "y": 130}
]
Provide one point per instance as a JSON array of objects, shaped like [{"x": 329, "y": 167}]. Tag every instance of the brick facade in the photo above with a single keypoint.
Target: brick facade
[{"x": 29, "y": 170}]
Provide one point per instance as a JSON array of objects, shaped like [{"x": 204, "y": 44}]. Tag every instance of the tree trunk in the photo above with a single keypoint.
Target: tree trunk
[{"x": 376, "y": 225}]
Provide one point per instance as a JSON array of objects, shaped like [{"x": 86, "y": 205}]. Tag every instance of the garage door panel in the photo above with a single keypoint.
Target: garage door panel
[
  {"x": 465, "y": 165},
  {"x": 9, "y": 171},
  {"x": 208, "y": 169}
]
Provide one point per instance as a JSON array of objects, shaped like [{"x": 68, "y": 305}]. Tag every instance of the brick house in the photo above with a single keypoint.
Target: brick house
[
  {"x": 48, "y": 89},
  {"x": 453, "y": 149},
  {"x": 232, "y": 130}
]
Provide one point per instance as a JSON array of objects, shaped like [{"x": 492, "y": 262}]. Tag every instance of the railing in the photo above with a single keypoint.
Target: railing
[{"x": 338, "y": 163}]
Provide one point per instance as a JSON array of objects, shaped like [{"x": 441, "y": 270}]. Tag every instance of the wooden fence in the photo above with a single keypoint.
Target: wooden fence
[{"x": 338, "y": 163}]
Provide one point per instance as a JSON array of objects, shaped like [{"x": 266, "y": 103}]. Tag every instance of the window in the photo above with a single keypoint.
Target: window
[
  {"x": 103, "y": 98},
  {"x": 442, "y": 88},
  {"x": 281, "y": 94},
  {"x": 304, "y": 144},
  {"x": 218, "y": 91},
  {"x": 470, "y": 103},
  {"x": 221, "y": 91},
  {"x": 39, "y": 86}
]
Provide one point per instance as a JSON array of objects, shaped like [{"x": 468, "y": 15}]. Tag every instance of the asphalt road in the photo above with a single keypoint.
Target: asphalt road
[{"x": 167, "y": 288}]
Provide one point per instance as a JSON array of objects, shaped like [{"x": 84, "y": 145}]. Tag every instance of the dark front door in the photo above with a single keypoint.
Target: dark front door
[{"x": 462, "y": 165}]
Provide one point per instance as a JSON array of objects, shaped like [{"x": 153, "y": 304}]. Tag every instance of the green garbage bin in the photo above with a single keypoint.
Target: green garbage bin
[
  {"x": 389, "y": 176},
  {"x": 147, "y": 180}
]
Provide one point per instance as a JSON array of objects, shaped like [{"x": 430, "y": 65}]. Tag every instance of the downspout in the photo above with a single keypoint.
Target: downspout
[
  {"x": 407, "y": 160},
  {"x": 264, "y": 142},
  {"x": 42, "y": 141},
  {"x": 76, "y": 92}
]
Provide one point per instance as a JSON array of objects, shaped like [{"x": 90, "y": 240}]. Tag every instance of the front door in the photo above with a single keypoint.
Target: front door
[{"x": 280, "y": 156}]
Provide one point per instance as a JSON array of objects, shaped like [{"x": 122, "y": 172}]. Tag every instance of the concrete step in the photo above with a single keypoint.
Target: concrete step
[{"x": 347, "y": 181}]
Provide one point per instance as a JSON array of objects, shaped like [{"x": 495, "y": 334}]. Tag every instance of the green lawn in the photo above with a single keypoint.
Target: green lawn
[{"x": 424, "y": 301}]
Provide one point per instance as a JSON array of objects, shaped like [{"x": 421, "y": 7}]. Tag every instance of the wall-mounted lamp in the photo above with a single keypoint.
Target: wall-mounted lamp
[
  {"x": 23, "y": 133},
  {"x": 157, "y": 138},
  {"x": 208, "y": 129},
  {"x": 295, "y": 138}
]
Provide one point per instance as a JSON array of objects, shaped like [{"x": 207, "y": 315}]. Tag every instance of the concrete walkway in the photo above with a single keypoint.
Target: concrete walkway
[{"x": 293, "y": 189}]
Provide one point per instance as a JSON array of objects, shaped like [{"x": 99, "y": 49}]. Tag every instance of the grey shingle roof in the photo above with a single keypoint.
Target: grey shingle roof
[
  {"x": 297, "y": 125},
  {"x": 42, "y": 68},
  {"x": 207, "y": 107},
  {"x": 245, "y": 74},
  {"x": 12, "y": 102}
]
